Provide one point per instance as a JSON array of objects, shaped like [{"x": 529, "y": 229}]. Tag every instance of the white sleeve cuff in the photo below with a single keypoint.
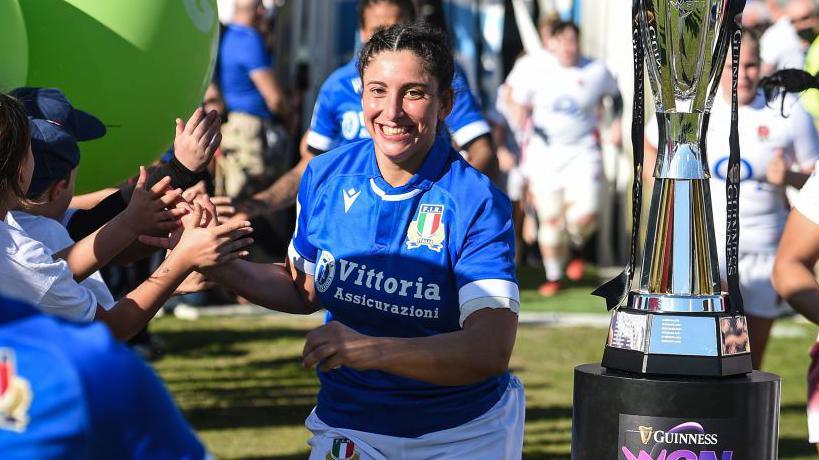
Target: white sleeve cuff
[
  {"x": 300, "y": 262},
  {"x": 470, "y": 132},
  {"x": 318, "y": 141},
  {"x": 488, "y": 293},
  {"x": 487, "y": 302}
]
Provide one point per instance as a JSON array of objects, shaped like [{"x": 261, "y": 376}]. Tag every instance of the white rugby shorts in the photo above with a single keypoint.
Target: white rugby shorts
[
  {"x": 564, "y": 180},
  {"x": 758, "y": 295},
  {"x": 497, "y": 434}
]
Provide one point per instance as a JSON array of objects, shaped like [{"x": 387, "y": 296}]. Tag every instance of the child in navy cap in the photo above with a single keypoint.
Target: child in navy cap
[
  {"x": 195, "y": 143},
  {"x": 48, "y": 279},
  {"x": 56, "y": 157}
]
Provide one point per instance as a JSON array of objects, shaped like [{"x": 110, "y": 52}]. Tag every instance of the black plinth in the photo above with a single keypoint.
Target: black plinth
[
  {"x": 618, "y": 416},
  {"x": 646, "y": 363}
]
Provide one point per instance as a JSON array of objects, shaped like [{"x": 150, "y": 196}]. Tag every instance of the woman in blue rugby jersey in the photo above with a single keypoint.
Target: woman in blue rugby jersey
[{"x": 412, "y": 250}]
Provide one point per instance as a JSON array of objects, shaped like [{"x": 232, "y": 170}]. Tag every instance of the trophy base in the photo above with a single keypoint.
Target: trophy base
[
  {"x": 704, "y": 366},
  {"x": 676, "y": 343},
  {"x": 616, "y": 415}
]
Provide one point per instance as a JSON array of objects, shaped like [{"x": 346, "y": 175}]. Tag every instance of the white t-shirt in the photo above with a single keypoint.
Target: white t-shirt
[
  {"x": 55, "y": 237},
  {"x": 564, "y": 100},
  {"x": 31, "y": 274},
  {"x": 807, "y": 202},
  {"x": 781, "y": 47},
  {"x": 763, "y": 207},
  {"x": 517, "y": 79}
]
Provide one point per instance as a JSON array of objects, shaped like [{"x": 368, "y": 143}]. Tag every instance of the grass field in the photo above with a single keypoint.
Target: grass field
[{"x": 241, "y": 384}]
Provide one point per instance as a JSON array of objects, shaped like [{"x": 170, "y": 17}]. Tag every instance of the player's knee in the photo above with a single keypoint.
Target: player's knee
[
  {"x": 581, "y": 228},
  {"x": 584, "y": 222},
  {"x": 550, "y": 232}
]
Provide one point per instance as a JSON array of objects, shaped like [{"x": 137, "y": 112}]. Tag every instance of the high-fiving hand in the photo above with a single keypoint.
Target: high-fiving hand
[
  {"x": 203, "y": 242},
  {"x": 153, "y": 211},
  {"x": 197, "y": 139}
]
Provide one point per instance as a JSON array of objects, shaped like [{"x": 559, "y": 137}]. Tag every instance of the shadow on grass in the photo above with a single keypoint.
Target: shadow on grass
[
  {"x": 548, "y": 432},
  {"x": 249, "y": 415},
  {"x": 544, "y": 455},
  {"x": 550, "y": 413},
  {"x": 196, "y": 343},
  {"x": 795, "y": 447},
  {"x": 261, "y": 394},
  {"x": 793, "y": 408},
  {"x": 229, "y": 379}
]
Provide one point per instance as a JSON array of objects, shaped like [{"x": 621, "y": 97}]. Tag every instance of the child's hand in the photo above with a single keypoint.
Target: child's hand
[
  {"x": 197, "y": 139},
  {"x": 153, "y": 211},
  {"x": 206, "y": 244},
  {"x": 202, "y": 242}
]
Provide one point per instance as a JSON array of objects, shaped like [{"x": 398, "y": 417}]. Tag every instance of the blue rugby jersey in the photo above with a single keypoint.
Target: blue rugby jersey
[
  {"x": 76, "y": 392},
  {"x": 338, "y": 118},
  {"x": 408, "y": 261}
]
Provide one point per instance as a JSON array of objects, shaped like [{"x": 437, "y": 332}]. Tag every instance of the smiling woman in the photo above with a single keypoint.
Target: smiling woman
[
  {"x": 412, "y": 251},
  {"x": 407, "y": 94}
]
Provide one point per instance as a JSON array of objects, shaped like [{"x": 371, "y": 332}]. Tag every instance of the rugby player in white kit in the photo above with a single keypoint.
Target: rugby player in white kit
[
  {"x": 562, "y": 162},
  {"x": 776, "y": 151}
]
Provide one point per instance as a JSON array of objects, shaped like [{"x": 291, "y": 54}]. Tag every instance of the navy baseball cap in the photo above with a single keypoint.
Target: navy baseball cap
[
  {"x": 56, "y": 153},
  {"x": 51, "y": 104}
]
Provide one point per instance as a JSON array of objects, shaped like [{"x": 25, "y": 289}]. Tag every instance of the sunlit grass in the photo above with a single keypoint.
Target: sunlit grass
[{"x": 241, "y": 384}]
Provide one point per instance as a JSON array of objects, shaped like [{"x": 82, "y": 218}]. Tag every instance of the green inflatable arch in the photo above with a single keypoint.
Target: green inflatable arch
[
  {"x": 136, "y": 65},
  {"x": 14, "y": 49}
]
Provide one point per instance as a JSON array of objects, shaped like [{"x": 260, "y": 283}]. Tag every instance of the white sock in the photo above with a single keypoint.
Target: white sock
[{"x": 554, "y": 269}]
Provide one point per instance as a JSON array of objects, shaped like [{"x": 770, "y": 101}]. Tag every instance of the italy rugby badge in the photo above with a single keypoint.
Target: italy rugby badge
[
  {"x": 15, "y": 394},
  {"x": 428, "y": 229},
  {"x": 343, "y": 449}
]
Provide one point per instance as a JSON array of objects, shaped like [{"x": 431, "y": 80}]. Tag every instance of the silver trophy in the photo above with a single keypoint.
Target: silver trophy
[{"x": 679, "y": 321}]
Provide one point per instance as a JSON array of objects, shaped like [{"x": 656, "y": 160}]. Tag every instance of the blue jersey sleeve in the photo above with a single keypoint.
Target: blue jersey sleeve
[
  {"x": 132, "y": 414},
  {"x": 324, "y": 129},
  {"x": 255, "y": 54},
  {"x": 301, "y": 252},
  {"x": 485, "y": 268},
  {"x": 466, "y": 122},
  {"x": 165, "y": 433}
]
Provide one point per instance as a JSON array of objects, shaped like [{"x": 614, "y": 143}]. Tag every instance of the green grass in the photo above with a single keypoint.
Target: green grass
[{"x": 241, "y": 384}]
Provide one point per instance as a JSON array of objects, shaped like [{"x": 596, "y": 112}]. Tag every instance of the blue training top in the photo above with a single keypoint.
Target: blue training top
[
  {"x": 242, "y": 51},
  {"x": 408, "y": 261},
  {"x": 338, "y": 118},
  {"x": 76, "y": 392}
]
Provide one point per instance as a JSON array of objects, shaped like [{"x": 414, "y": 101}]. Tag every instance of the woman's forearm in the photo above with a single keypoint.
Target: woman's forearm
[
  {"x": 97, "y": 249},
  {"x": 797, "y": 285},
  {"x": 456, "y": 358},
  {"x": 268, "y": 285},
  {"x": 132, "y": 312}
]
